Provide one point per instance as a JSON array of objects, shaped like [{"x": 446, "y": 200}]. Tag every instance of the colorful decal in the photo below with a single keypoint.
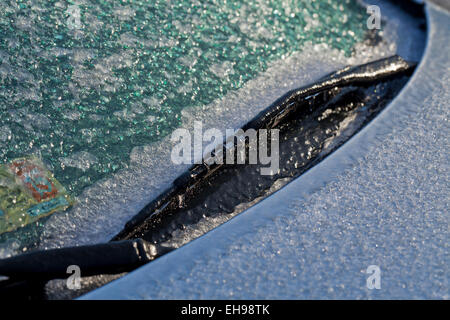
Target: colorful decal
[{"x": 28, "y": 192}]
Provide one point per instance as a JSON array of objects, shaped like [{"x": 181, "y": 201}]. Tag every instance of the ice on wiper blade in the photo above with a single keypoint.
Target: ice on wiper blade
[{"x": 303, "y": 100}]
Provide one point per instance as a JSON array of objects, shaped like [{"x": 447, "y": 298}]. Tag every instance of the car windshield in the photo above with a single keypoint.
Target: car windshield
[{"x": 91, "y": 90}]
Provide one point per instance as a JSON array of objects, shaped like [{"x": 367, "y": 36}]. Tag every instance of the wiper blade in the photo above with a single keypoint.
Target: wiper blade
[{"x": 276, "y": 113}]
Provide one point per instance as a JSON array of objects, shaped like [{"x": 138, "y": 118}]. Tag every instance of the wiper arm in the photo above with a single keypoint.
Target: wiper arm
[{"x": 107, "y": 258}]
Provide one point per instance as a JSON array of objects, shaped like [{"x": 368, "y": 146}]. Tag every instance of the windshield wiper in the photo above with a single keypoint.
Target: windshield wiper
[
  {"x": 304, "y": 98},
  {"x": 122, "y": 255}
]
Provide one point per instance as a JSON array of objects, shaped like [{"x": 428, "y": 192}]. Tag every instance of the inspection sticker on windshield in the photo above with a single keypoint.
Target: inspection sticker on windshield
[{"x": 28, "y": 192}]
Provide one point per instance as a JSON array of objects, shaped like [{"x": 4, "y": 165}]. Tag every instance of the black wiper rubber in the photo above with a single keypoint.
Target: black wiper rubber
[{"x": 269, "y": 118}]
